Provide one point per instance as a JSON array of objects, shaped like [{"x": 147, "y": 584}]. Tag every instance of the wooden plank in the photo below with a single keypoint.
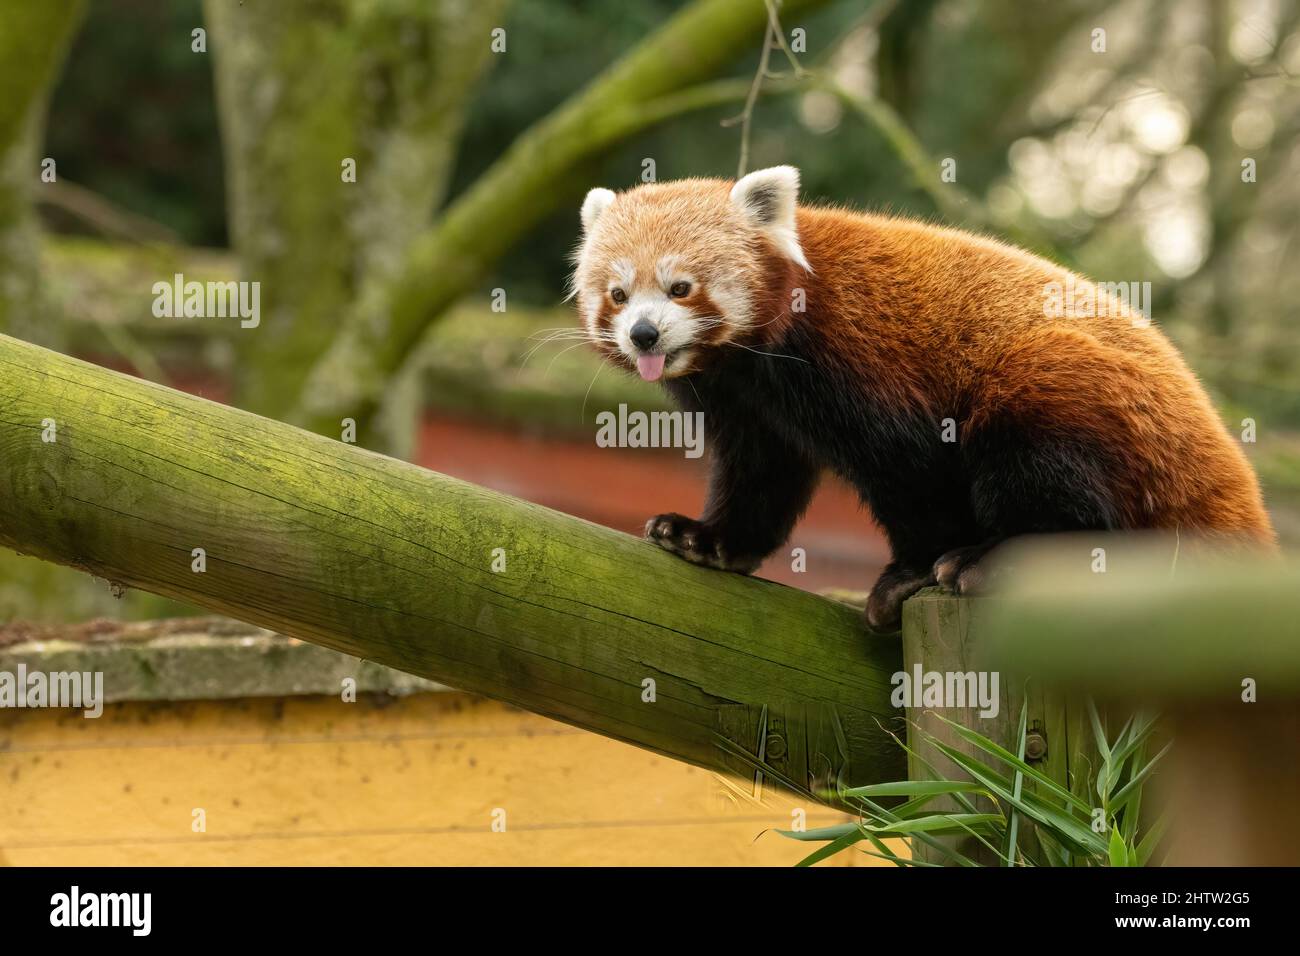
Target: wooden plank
[
  {"x": 1167, "y": 618},
  {"x": 1210, "y": 640},
  {"x": 946, "y": 634}
]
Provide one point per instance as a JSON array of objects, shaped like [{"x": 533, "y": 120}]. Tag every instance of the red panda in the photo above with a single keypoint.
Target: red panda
[{"x": 919, "y": 363}]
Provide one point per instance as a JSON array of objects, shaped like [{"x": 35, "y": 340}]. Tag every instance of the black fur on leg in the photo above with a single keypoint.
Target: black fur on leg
[
  {"x": 759, "y": 485},
  {"x": 964, "y": 570},
  {"x": 698, "y": 543},
  {"x": 894, "y": 586},
  {"x": 1024, "y": 482}
]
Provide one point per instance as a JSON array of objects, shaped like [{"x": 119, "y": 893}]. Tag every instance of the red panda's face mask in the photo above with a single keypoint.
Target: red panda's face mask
[{"x": 668, "y": 274}]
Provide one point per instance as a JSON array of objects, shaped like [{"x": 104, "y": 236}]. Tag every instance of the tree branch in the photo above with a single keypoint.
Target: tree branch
[{"x": 527, "y": 183}]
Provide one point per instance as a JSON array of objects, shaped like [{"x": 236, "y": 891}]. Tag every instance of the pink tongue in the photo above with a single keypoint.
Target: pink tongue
[{"x": 650, "y": 366}]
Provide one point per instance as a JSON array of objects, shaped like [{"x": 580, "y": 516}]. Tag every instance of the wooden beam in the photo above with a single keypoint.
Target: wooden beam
[
  {"x": 1148, "y": 617},
  {"x": 949, "y": 635},
  {"x": 1210, "y": 640},
  {"x": 377, "y": 558}
]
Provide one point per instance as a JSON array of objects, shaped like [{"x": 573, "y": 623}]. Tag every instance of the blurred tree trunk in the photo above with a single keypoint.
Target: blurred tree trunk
[
  {"x": 1224, "y": 190},
  {"x": 303, "y": 86},
  {"x": 925, "y": 63},
  {"x": 901, "y": 35},
  {"x": 664, "y": 75},
  {"x": 34, "y": 39}
]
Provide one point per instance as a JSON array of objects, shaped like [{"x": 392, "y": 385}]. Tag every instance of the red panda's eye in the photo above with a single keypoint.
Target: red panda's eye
[
  {"x": 618, "y": 295},
  {"x": 680, "y": 289}
]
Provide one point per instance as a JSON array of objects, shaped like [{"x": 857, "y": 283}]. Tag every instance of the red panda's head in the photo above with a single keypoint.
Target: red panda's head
[{"x": 669, "y": 274}]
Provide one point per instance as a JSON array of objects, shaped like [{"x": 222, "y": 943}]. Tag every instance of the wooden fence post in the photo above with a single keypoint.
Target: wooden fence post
[
  {"x": 947, "y": 634},
  {"x": 1209, "y": 638}
]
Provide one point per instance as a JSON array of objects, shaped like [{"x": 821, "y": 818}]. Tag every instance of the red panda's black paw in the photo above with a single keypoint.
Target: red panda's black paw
[
  {"x": 964, "y": 570},
  {"x": 892, "y": 588},
  {"x": 696, "y": 542}
]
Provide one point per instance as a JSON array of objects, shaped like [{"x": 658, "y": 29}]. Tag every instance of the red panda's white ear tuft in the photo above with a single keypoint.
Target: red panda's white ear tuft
[
  {"x": 767, "y": 198},
  {"x": 595, "y": 203}
]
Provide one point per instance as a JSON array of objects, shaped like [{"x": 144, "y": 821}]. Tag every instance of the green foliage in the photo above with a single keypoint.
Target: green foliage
[
  {"x": 134, "y": 118},
  {"x": 1010, "y": 808},
  {"x": 567, "y": 45},
  {"x": 1050, "y": 119}
]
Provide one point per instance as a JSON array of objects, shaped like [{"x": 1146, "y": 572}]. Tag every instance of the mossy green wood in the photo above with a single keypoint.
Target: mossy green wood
[
  {"x": 378, "y": 558},
  {"x": 1165, "y": 620},
  {"x": 947, "y": 634}
]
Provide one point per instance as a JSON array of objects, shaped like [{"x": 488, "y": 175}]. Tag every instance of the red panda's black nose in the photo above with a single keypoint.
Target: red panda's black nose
[{"x": 643, "y": 335}]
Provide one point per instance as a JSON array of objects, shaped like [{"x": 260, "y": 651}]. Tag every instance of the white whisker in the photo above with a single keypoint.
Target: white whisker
[
  {"x": 768, "y": 354},
  {"x": 558, "y": 354},
  {"x": 578, "y": 336},
  {"x": 697, "y": 394},
  {"x": 583, "y": 415}
]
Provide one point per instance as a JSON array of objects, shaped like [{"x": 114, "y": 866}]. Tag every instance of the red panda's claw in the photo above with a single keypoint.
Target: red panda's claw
[
  {"x": 885, "y": 602},
  {"x": 964, "y": 570},
  {"x": 695, "y": 542}
]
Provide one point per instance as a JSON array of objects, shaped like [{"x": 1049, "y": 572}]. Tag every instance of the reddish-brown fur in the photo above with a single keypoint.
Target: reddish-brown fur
[
  {"x": 1082, "y": 420},
  {"x": 895, "y": 302}
]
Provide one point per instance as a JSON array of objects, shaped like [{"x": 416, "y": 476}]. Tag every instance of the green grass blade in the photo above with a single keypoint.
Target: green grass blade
[
  {"x": 1117, "y": 851},
  {"x": 1133, "y": 788},
  {"x": 1013, "y": 828},
  {"x": 1124, "y": 750},
  {"x": 1106, "y": 775},
  {"x": 833, "y": 847},
  {"x": 1055, "y": 853},
  {"x": 909, "y": 788},
  {"x": 1147, "y": 845},
  {"x": 879, "y": 813},
  {"x": 820, "y": 833},
  {"x": 919, "y": 805},
  {"x": 938, "y": 823},
  {"x": 960, "y": 797},
  {"x": 1007, "y": 757},
  {"x": 1131, "y": 815},
  {"x": 1098, "y": 733},
  {"x": 897, "y": 860},
  {"x": 1068, "y": 829}
]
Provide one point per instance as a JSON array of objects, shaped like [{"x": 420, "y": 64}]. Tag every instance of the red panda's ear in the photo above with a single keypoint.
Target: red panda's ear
[
  {"x": 767, "y": 198},
  {"x": 595, "y": 203}
]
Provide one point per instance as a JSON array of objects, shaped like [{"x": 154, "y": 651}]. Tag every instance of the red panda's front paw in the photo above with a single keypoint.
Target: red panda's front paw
[
  {"x": 965, "y": 570},
  {"x": 696, "y": 542},
  {"x": 885, "y": 602}
]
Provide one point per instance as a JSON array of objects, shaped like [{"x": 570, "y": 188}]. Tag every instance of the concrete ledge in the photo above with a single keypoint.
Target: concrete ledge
[
  {"x": 209, "y": 658},
  {"x": 200, "y": 658}
]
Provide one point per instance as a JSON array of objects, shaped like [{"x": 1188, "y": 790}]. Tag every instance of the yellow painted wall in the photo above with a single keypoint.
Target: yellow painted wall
[{"x": 315, "y": 781}]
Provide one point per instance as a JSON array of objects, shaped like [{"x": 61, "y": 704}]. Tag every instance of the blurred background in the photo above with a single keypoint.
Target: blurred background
[{"x": 1134, "y": 141}]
